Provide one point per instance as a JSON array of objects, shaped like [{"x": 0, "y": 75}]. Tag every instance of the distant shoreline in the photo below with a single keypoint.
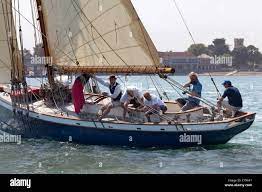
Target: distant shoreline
[{"x": 240, "y": 73}]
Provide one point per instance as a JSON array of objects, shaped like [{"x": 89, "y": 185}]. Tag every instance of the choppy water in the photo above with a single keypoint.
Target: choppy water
[{"x": 243, "y": 154}]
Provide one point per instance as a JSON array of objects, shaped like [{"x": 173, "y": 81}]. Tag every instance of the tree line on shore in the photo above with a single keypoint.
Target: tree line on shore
[{"x": 243, "y": 57}]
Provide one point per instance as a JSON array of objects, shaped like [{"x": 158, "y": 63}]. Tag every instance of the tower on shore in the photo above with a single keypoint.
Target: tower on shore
[{"x": 238, "y": 43}]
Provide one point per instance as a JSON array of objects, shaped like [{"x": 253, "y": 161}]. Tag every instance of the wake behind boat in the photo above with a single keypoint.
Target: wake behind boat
[{"x": 99, "y": 38}]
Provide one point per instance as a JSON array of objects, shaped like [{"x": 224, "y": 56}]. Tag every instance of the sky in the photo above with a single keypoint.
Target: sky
[{"x": 207, "y": 20}]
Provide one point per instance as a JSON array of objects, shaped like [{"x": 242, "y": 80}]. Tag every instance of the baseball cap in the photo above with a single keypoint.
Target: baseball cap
[
  {"x": 112, "y": 76},
  {"x": 227, "y": 82}
]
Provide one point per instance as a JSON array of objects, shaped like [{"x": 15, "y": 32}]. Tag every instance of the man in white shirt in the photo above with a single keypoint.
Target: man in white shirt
[
  {"x": 115, "y": 94},
  {"x": 153, "y": 105},
  {"x": 131, "y": 94}
]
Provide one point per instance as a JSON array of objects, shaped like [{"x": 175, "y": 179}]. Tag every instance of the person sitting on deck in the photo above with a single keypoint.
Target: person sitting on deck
[
  {"x": 78, "y": 92},
  {"x": 191, "y": 102},
  {"x": 152, "y": 105},
  {"x": 234, "y": 103},
  {"x": 133, "y": 96},
  {"x": 115, "y": 95}
]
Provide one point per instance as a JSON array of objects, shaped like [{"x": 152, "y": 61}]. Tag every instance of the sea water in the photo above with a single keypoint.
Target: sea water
[{"x": 242, "y": 154}]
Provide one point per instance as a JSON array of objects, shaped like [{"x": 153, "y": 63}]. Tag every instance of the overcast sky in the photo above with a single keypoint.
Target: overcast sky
[{"x": 207, "y": 19}]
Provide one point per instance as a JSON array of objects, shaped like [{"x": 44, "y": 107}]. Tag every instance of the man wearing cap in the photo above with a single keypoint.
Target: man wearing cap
[
  {"x": 115, "y": 94},
  {"x": 234, "y": 103},
  {"x": 192, "y": 101}
]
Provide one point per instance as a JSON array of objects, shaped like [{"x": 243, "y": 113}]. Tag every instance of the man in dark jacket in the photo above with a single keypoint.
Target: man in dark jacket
[{"x": 234, "y": 103}]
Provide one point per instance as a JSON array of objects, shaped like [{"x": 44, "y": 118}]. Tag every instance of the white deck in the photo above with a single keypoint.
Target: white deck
[{"x": 40, "y": 111}]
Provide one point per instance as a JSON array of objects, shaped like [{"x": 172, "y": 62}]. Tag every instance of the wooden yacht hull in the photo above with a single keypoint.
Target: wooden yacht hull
[{"x": 36, "y": 125}]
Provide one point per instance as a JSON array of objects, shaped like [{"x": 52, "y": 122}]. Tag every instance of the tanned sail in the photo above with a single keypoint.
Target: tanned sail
[
  {"x": 98, "y": 36},
  {"x": 11, "y": 67}
]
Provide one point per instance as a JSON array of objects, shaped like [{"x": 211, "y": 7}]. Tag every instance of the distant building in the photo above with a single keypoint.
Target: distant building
[
  {"x": 32, "y": 68},
  {"x": 238, "y": 43},
  {"x": 185, "y": 62}
]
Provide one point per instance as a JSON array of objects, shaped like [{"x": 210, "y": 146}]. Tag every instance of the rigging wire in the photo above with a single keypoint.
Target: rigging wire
[
  {"x": 6, "y": 65},
  {"x": 36, "y": 38},
  {"x": 163, "y": 116},
  {"x": 214, "y": 83},
  {"x": 103, "y": 37},
  {"x": 122, "y": 81},
  {"x": 190, "y": 33},
  {"x": 162, "y": 89},
  {"x": 147, "y": 44},
  {"x": 21, "y": 15},
  {"x": 65, "y": 16},
  {"x": 100, "y": 52},
  {"x": 93, "y": 38},
  {"x": 18, "y": 11},
  {"x": 38, "y": 98},
  {"x": 184, "y": 21},
  {"x": 147, "y": 82},
  {"x": 95, "y": 54},
  {"x": 179, "y": 86},
  {"x": 89, "y": 24},
  {"x": 33, "y": 19},
  {"x": 71, "y": 45},
  {"x": 38, "y": 30},
  {"x": 176, "y": 90},
  {"x": 158, "y": 92},
  {"x": 24, "y": 83}
]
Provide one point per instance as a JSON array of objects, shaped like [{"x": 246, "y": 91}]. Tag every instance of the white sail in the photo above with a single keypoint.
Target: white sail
[
  {"x": 97, "y": 33},
  {"x": 9, "y": 53}
]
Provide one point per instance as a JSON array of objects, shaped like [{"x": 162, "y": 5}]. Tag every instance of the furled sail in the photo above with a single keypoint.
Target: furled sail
[
  {"x": 98, "y": 35},
  {"x": 10, "y": 61}
]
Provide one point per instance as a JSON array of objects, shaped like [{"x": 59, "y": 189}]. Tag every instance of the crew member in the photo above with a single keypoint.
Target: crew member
[
  {"x": 234, "y": 103},
  {"x": 134, "y": 95},
  {"x": 78, "y": 92},
  {"x": 192, "y": 101},
  {"x": 115, "y": 95},
  {"x": 153, "y": 105}
]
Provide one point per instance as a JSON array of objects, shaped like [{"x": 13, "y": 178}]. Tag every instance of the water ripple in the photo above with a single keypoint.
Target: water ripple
[{"x": 243, "y": 154}]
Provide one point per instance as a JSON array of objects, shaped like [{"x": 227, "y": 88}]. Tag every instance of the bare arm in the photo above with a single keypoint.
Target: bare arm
[
  {"x": 220, "y": 99},
  {"x": 106, "y": 84},
  {"x": 187, "y": 85}
]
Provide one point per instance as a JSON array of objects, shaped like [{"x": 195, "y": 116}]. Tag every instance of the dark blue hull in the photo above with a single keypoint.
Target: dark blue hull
[{"x": 35, "y": 128}]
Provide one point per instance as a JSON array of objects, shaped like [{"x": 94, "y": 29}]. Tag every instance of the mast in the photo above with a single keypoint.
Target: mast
[{"x": 50, "y": 71}]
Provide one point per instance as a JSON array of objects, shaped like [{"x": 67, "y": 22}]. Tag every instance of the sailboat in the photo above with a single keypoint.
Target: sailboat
[{"x": 97, "y": 37}]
